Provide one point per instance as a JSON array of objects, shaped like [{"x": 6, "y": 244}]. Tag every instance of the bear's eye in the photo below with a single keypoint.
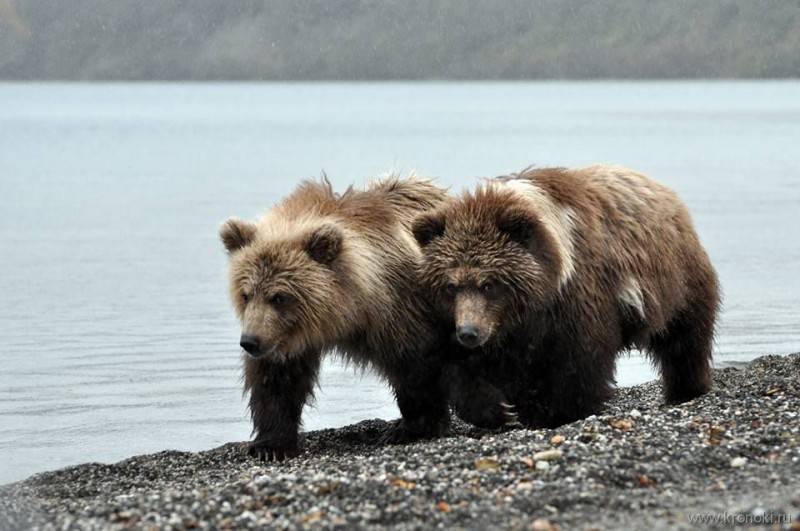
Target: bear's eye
[
  {"x": 245, "y": 298},
  {"x": 279, "y": 299},
  {"x": 450, "y": 289},
  {"x": 488, "y": 287}
]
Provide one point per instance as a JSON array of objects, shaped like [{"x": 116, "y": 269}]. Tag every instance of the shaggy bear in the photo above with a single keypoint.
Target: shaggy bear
[
  {"x": 323, "y": 272},
  {"x": 547, "y": 275}
]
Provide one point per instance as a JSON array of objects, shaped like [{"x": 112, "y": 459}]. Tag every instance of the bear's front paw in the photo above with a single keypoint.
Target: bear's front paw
[
  {"x": 490, "y": 415},
  {"x": 272, "y": 451},
  {"x": 403, "y": 432},
  {"x": 397, "y": 433}
]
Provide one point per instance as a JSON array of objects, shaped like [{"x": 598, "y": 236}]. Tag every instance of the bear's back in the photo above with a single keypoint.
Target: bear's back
[
  {"x": 387, "y": 202},
  {"x": 378, "y": 208},
  {"x": 636, "y": 236}
]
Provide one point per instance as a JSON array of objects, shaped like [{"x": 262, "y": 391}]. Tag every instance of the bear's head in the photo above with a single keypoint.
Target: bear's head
[
  {"x": 488, "y": 262},
  {"x": 287, "y": 286}
]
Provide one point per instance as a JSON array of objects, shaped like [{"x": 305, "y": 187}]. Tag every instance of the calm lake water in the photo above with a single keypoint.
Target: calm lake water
[{"x": 116, "y": 334}]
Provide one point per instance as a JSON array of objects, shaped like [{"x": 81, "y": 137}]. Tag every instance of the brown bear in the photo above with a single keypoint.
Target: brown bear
[
  {"x": 550, "y": 273},
  {"x": 323, "y": 272}
]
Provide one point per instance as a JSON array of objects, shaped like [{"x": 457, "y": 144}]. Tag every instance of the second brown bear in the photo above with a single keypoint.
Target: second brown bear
[{"x": 549, "y": 274}]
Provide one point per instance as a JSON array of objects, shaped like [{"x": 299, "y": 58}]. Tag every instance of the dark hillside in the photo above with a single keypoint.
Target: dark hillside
[{"x": 398, "y": 39}]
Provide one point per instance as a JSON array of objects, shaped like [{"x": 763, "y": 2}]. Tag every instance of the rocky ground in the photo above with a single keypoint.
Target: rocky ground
[{"x": 734, "y": 453}]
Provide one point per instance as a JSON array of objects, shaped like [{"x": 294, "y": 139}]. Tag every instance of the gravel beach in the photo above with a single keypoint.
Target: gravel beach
[{"x": 731, "y": 457}]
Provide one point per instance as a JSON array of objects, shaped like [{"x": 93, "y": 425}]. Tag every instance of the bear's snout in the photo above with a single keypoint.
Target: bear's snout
[
  {"x": 468, "y": 335},
  {"x": 250, "y": 344},
  {"x": 473, "y": 319}
]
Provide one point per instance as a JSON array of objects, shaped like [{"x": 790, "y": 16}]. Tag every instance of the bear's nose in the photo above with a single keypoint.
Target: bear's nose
[
  {"x": 250, "y": 344},
  {"x": 467, "y": 335}
]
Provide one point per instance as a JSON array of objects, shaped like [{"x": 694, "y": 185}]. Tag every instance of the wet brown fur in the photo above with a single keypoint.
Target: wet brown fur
[
  {"x": 323, "y": 271},
  {"x": 552, "y": 322}
]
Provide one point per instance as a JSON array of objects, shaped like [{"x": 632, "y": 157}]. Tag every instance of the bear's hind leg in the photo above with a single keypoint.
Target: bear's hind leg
[
  {"x": 683, "y": 353},
  {"x": 422, "y": 400},
  {"x": 575, "y": 395}
]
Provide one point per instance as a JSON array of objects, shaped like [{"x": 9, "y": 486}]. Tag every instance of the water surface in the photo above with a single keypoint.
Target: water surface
[{"x": 116, "y": 335}]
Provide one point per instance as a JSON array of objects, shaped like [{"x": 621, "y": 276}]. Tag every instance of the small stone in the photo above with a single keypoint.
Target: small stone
[
  {"x": 715, "y": 435},
  {"x": 622, "y": 424},
  {"x": 738, "y": 462},
  {"x": 488, "y": 463},
  {"x": 556, "y": 440},
  {"x": 542, "y": 465},
  {"x": 635, "y": 413},
  {"x": 644, "y": 481},
  {"x": 542, "y": 524},
  {"x": 328, "y": 487},
  {"x": 313, "y": 517},
  {"x": 548, "y": 455},
  {"x": 403, "y": 484},
  {"x": 444, "y": 507},
  {"x": 246, "y": 516}
]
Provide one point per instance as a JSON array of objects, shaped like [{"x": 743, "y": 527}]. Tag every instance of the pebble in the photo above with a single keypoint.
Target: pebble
[
  {"x": 547, "y": 455},
  {"x": 738, "y": 462},
  {"x": 541, "y": 524}
]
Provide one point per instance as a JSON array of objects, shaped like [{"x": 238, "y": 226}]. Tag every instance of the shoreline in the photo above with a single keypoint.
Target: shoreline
[{"x": 732, "y": 455}]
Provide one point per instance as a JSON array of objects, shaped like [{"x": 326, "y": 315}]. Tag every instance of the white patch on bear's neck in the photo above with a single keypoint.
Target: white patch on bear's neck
[
  {"x": 407, "y": 241},
  {"x": 557, "y": 220},
  {"x": 630, "y": 293}
]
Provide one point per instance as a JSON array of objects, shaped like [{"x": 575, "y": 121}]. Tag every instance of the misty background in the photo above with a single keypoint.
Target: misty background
[{"x": 397, "y": 39}]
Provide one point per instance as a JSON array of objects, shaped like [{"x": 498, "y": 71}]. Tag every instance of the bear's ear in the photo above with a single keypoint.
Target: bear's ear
[
  {"x": 236, "y": 233},
  {"x": 324, "y": 244},
  {"x": 427, "y": 227},
  {"x": 518, "y": 224}
]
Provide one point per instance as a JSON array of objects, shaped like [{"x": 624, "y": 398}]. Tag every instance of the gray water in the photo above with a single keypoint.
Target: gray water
[{"x": 116, "y": 335}]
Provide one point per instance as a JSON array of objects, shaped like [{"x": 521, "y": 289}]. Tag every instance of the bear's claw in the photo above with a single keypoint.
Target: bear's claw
[
  {"x": 510, "y": 415},
  {"x": 395, "y": 434},
  {"x": 272, "y": 453}
]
